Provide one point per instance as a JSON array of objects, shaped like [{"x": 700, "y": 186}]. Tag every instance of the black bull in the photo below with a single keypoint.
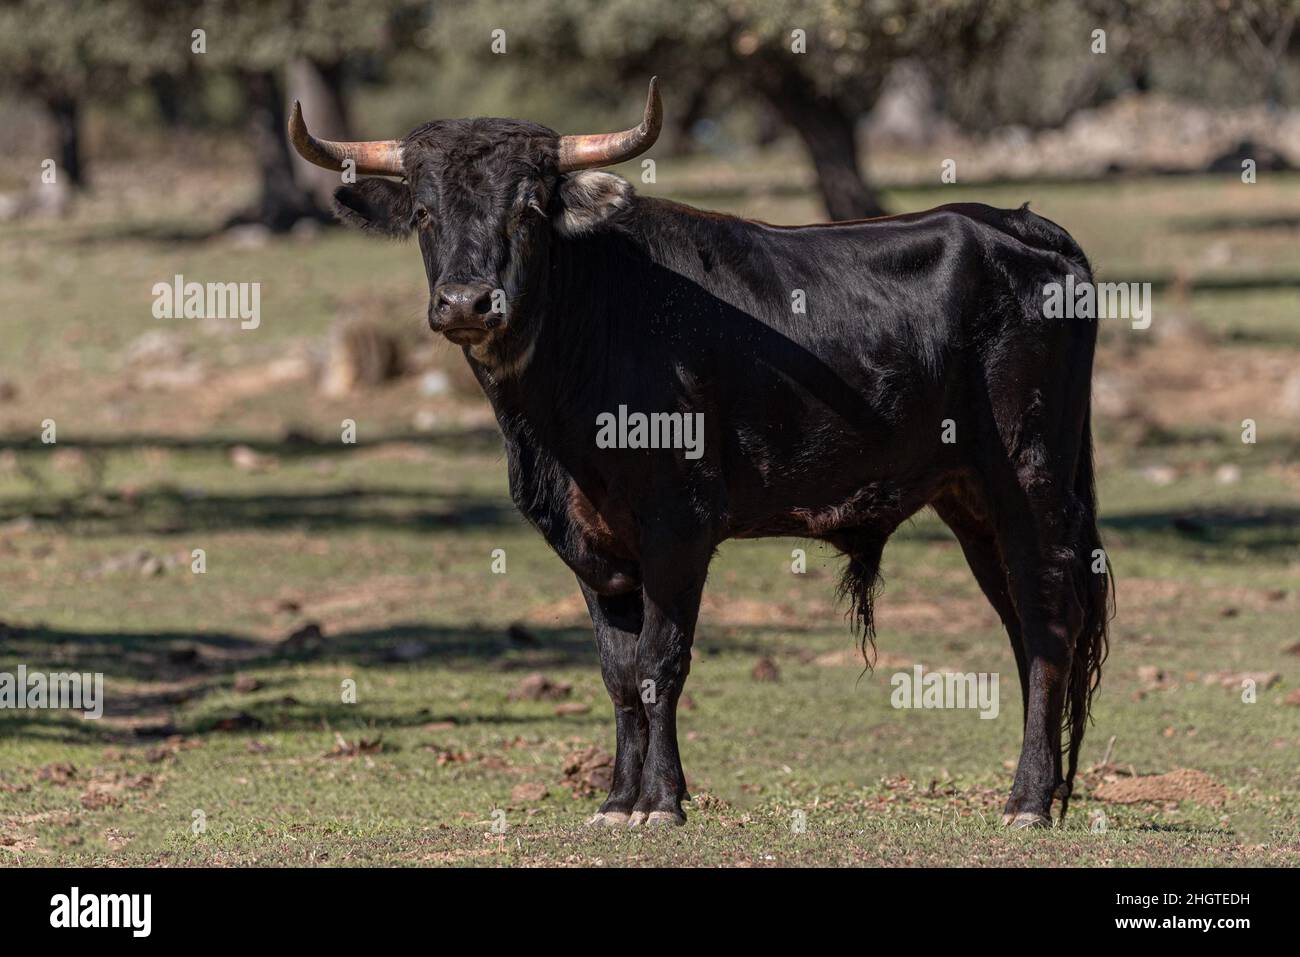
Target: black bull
[{"x": 848, "y": 375}]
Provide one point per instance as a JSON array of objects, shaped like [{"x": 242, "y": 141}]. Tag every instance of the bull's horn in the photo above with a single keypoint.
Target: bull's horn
[
  {"x": 605, "y": 149},
  {"x": 375, "y": 157}
]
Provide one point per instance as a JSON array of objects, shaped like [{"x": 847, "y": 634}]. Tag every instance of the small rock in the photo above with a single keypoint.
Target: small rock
[
  {"x": 1227, "y": 474},
  {"x": 1235, "y": 679},
  {"x": 308, "y": 638},
  {"x": 157, "y": 347},
  {"x": 183, "y": 655},
  {"x": 60, "y": 772},
  {"x": 529, "y": 792},
  {"x": 538, "y": 687},
  {"x": 571, "y": 707},
  {"x": 766, "y": 670},
  {"x": 411, "y": 650},
  {"x": 248, "y": 236},
  {"x": 1159, "y": 474},
  {"x": 247, "y": 684},
  {"x": 239, "y": 721},
  {"x": 434, "y": 383},
  {"x": 249, "y": 460},
  {"x": 305, "y": 229},
  {"x": 521, "y": 636}
]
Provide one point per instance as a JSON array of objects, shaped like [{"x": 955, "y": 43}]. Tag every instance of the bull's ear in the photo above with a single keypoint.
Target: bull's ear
[
  {"x": 589, "y": 199},
  {"x": 375, "y": 205}
]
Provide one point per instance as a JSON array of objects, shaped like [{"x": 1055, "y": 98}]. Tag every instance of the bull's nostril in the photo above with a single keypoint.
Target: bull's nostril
[{"x": 483, "y": 304}]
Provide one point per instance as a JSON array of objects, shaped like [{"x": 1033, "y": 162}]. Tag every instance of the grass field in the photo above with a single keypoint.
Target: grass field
[{"x": 224, "y": 743}]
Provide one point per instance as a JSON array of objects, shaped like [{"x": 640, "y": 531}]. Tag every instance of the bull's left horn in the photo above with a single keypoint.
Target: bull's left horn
[
  {"x": 589, "y": 150},
  {"x": 373, "y": 157}
]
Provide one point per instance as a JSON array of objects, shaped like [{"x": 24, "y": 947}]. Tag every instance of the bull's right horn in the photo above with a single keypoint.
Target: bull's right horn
[{"x": 373, "y": 157}]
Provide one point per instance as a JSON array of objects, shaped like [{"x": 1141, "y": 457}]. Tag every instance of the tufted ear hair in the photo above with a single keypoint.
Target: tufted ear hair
[
  {"x": 590, "y": 199},
  {"x": 375, "y": 205}
]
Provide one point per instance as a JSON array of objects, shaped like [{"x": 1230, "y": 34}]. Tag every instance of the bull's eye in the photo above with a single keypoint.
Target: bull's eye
[{"x": 421, "y": 217}]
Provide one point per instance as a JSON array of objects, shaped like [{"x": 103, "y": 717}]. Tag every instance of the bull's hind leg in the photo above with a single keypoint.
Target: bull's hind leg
[
  {"x": 1038, "y": 541},
  {"x": 970, "y": 521},
  {"x": 616, "y": 620}
]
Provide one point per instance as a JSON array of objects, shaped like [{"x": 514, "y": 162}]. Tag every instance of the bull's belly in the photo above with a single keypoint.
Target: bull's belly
[{"x": 820, "y": 510}]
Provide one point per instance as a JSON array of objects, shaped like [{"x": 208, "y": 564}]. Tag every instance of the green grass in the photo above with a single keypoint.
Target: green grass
[{"x": 391, "y": 541}]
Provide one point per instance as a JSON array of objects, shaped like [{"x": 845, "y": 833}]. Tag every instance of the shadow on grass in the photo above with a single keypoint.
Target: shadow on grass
[
  {"x": 168, "y": 510},
  {"x": 1254, "y": 221},
  {"x": 166, "y": 673},
  {"x": 175, "y": 656},
  {"x": 293, "y": 445},
  {"x": 1264, "y": 531}
]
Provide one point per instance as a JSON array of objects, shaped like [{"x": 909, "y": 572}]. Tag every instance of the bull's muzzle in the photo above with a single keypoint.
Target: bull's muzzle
[{"x": 464, "y": 308}]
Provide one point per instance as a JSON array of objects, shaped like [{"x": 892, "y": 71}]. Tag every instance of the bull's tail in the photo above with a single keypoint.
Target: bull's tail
[
  {"x": 1096, "y": 589},
  {"x": 860, "y": 584}
]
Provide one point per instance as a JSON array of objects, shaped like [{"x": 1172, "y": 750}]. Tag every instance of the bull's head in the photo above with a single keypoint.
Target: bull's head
[{"x": 483, "y": 196}]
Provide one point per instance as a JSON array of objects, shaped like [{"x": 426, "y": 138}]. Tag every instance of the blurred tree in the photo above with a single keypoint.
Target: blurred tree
[
  {"x": 65, "y": 52},
  {"x": 68, "y": 52},
  {"x": 1261, "y": 36},
  {"x": 819, "y": 64},
  {"x": 309, "y": 44}
]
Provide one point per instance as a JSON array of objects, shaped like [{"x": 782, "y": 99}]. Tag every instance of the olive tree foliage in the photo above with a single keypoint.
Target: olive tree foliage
[
  {"x": 299, "y": 48},
  {"x": 1072, "y": 56},
  {"x": 68, "y": 53},
  {"x": 1260, "y": 38},
  {"x": 62, "y": 53},
  {"x": 819, "y": 65}
]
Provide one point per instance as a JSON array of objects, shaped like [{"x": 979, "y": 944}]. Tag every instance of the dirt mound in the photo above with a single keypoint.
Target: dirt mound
[
  {"x": 588, "y": 772},
  {"x": 1184, "y": 784}
]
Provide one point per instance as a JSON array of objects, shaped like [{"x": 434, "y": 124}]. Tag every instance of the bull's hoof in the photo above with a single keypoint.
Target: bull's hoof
[
  {"x": 666, "y": 818},
  {"x": 608, "y": 819},
  {"x": 1018, "y": 822},
  {"x": 656, "y": 819}
]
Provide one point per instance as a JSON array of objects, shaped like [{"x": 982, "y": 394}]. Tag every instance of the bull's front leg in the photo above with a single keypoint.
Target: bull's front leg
[
  {"x": 675, "y": 561},
  {"x": 616, "y": 620}
]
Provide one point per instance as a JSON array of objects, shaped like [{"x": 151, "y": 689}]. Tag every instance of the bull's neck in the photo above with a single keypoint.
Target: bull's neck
[{"x": 597, "y": 299}]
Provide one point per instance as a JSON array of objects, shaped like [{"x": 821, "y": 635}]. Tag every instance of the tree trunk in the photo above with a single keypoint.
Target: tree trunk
[
  {"x": 65, "y": 112},
  {"x": 281, "y": 202},
  {"x": 826, "y": 126}
]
